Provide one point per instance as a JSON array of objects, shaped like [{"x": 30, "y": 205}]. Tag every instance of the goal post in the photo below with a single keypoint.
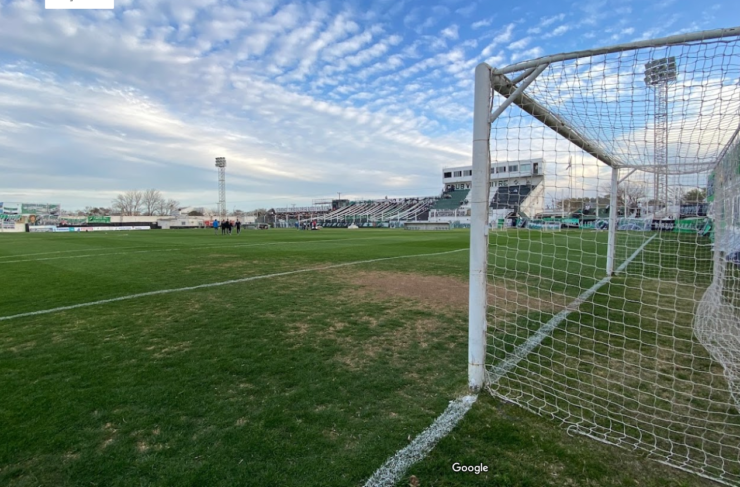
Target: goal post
[
  {"x": 479, "y": 199},
  {"x": 625, "y": 325}
]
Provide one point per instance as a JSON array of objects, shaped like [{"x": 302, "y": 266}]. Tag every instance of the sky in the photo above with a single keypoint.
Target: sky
[{"x": 306, "y": 100}]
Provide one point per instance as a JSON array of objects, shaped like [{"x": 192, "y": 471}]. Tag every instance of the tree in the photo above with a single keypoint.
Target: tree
[
  {"x": 128, "y": 203},
  {"x": 195, "y": 213},
  {"x": 629, "y": 194},
  {"x": 168, "y": 207},
  {"x": 92, "y": 210},
  {"x": 151, "y": 201},
  {"x": 694, "y": 196}
]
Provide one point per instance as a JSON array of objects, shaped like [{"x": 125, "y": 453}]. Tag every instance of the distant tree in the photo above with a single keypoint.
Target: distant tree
[
  {"x": 694, "y": 196},
  {"x": 195, "y": 213},
  {"x": 168, "y": 207},
  {"x": 629, "y": 194},
  {"x": 151, "y": 201},
  {"x": 129, "y": 203},
  {"x": 93, "y": 210}
]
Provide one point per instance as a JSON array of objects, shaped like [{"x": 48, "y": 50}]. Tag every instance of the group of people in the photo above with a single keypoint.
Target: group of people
[
  {"x": 226, "y": 227},
  {"x": 307, "y": 225}
]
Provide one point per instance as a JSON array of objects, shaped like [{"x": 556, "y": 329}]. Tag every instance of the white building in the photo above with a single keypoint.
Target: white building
[{"x": 516, "y": 187}]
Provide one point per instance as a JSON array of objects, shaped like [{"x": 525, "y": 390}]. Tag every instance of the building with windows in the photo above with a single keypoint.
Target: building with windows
[{"x": 517, "y": 189}]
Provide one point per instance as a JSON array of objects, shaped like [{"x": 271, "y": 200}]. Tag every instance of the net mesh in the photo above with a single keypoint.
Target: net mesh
[{"x": 648, "y": 358}]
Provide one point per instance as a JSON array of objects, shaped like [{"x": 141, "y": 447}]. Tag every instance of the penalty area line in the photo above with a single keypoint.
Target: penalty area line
[
  {"x": 395, "y": 467},
  {"x": 216, "y": 284}
]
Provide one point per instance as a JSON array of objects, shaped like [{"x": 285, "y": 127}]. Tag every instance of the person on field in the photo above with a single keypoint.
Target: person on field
[
  {"x": 223, "y": 227},
  {"x": 215, "y": 227},
  {"x": 238, "y": 227}
]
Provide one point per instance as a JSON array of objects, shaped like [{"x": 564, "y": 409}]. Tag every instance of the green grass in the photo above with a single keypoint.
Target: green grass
[{"x": 304, "y": 379}]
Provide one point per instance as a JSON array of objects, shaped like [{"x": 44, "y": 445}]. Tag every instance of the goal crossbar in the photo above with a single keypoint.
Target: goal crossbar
[{"x": 629, "y": 46}]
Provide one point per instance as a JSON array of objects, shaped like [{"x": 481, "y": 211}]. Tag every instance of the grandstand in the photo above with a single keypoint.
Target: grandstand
[
  {"x": 386, "y": 212},
  {"x": 517, "y": 189}
]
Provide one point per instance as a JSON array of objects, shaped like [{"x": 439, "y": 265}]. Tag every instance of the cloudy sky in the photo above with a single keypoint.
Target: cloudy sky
[{"x": 304, "y": 99}]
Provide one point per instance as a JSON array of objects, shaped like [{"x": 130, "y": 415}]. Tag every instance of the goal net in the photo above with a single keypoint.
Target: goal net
[{"x": 624, "y": 325}]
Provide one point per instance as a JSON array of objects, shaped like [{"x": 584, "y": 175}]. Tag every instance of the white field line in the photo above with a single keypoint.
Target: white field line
[
  {"x": 395, "y": 467},
  {"x": 147, "y": 247},
  {"x": 215, "y": 284},
  {"x": 533, "y": 341},
  {"x": 215, "y": 246},
  {"x": 68, "y": 251}
]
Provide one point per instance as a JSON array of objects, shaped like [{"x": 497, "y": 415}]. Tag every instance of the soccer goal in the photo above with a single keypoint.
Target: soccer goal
[{"x": 625, "y": 325}]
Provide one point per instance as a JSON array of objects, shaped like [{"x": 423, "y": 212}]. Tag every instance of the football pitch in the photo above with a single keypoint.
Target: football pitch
[{"x": 270, "y": 358}]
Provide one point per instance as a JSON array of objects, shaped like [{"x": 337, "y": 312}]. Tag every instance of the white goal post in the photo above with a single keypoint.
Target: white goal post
[{"x": 625, "y": 325}]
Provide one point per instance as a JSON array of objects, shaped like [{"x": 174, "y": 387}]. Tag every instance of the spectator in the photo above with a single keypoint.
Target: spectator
[{"x": 215, "y": 227}]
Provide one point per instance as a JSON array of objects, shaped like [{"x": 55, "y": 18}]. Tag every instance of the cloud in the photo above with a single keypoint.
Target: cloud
[
  {"x": 520, "y": 44},
  {"x": 299, "y": 96},
  {"x": 558, "y": 31},
  {"x": 450, "y": 32},
  {"x": 503, "y": 36},
  {"x": 467, "y": 10},
  {"x": 481, "y": 23}
]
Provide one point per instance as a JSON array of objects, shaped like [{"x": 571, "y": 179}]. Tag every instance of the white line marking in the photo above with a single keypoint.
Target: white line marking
[
  {"x": 525, "y": 348},
  {"x": 68, "y": 251},
  {"x": 183, "y": 248},
  {"x": 214, "y": 284},
  {"x": 395, "y": 467}
]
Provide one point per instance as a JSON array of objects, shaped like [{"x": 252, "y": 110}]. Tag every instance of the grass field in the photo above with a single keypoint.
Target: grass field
[{"x": 327, "y": 355}]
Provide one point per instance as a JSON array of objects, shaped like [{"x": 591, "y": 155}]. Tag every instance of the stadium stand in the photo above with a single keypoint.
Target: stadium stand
[
  {"x": 511, "y": 197},
  {"x": 451, "y": 200},
  {"x": 361, "y": 212}
]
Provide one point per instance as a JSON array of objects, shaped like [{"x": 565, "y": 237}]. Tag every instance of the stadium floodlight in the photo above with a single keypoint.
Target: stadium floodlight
[
  {"x": 650, "y": 359},
  {"x": 659, "y": 73},
  {"x": 221, "y": 165}
]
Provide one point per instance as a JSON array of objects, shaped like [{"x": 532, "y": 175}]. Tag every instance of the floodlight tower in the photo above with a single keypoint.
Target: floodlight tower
[
  {"x": 221, "y": 165},
  {"x": 658, "y": 74}
]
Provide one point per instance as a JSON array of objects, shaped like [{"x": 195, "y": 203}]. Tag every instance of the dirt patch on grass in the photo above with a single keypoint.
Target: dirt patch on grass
[
  {"x": 414, "y": 334},
  {"x": 434, "y": 291},
  {"x": 443, "y": 292},
  {"x": 109, "y": 432}
]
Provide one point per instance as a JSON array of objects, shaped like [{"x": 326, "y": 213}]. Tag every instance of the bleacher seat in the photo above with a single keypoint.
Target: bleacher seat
[
  {"x": 511, "y": 197},
  {"x": 453, "y": 202}
]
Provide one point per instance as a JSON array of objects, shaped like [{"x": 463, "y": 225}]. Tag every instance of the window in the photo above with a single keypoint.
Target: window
[
  {"x": 458, "y": 174},
  {"x": 448, "y": 175},
  {"x": 513, "y": 168},
  {"x": 503, "y": 182},
  {"x": 467, "y": 173},
  {"x": 501, "y": 169},
  {"x": 493, "y": 170},
  {"x": 525, "y": 167}
]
